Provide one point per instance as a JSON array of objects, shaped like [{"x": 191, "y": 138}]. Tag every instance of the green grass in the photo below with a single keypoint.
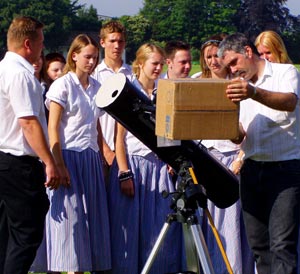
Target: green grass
[{"x": 196, "y": 68}]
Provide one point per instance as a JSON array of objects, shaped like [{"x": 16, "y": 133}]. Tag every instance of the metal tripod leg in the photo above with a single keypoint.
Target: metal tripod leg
[
  {"x": 199, "y": 243},
  {"x": 201, "y": 247},
  {"x": 156, "y": 247},
  {"x": 191, "y": 256}
]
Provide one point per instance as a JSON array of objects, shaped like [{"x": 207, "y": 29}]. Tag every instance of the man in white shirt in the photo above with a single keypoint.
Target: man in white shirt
[
  {"x": 270, "y": 177},
  {"x": 113, "y": 41},
  {"x": 23, "y": 199}
]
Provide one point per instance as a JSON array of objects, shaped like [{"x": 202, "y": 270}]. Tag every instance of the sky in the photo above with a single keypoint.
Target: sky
[{"x": 117, "y": 8}]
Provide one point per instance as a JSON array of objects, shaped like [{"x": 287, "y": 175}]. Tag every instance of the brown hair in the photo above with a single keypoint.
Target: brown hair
[
  {"x": 80, "y": 41},
  {"x": 111, "y": 27},
  {"x": 43, "y": 72},
  {"x": 54, "y": 57},
  {"x": 172, "y": 47},
  {"x": 214, "y": 40}
]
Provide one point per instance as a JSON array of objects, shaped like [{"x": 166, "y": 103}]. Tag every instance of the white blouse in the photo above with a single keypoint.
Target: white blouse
[
  {"x": 78, "y": 126},
  {"x": 133, "y": 145}
]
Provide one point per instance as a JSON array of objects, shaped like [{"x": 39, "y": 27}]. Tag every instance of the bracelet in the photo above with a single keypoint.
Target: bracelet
[
  {"x": 125, "y": 175},
  {"x": 121, "y": 172}
]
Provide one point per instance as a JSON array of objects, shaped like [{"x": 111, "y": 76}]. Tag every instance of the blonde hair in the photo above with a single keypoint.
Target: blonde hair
[
  {"x": 20, "y": 29},
  {"x": 272, "y": 40},
  {"x": 80, "y": 42},
  {"x": 142, "y": 55}
]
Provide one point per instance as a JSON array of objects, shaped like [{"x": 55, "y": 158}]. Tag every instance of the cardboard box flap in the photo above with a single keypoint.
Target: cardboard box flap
[{"x": 195, "y": 94}]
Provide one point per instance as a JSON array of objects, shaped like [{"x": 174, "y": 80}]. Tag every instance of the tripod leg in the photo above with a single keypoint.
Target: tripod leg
[
  {"x": 214, "y": 230},
  {"x": 202, "y": 249},
  {"x": 219, "y": 242},
  {"x": 155, "y": 248},
  {"x": 192, "y": 260}
]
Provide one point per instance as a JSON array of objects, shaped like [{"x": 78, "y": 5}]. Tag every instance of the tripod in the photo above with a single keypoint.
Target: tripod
[{"x": 188, "y": 197}]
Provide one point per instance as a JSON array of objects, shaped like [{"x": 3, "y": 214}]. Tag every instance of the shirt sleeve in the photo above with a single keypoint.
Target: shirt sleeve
[
  {"x": 58, "y": 92},
  {"x": 291, "y": 81},
  {"x": 26, "y": 94}
]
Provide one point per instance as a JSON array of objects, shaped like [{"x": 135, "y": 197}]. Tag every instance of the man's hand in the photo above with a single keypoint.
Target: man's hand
[{"x": 240, "y": 89}]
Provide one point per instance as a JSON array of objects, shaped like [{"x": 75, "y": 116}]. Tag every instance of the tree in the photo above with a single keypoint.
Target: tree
[
  {"x": 218, "y": 17},
  {"x": 87, "y": 20},
  {"x": 57, "y": 16},
  {"x": 138, "y": 31},
  {"x": 189, "y": 20},
  {"x": 157, "y": 12},
  {"x": 254, "y": 17},
  {"x": 292, "y": 39},
  {"x": 184, "y": 21}
]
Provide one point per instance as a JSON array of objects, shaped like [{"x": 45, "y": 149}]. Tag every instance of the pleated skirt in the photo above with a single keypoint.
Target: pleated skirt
[
  {"x": 136, "y": 222},
  {"x": 77, "y": 224},
  {"x": 230, "y": 226}
]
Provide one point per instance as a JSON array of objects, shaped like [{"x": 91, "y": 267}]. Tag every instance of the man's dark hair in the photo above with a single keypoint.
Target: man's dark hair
[{"x": 172, "y": 47}]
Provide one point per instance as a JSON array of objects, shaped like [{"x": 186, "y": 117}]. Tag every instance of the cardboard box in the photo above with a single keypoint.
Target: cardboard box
[{"x": 191, "y": 109}]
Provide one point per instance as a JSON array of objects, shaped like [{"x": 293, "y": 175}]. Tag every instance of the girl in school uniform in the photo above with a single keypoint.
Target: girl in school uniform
[
  {"x": 137, "y": 208},
  {"x": 77, "y": 225}
]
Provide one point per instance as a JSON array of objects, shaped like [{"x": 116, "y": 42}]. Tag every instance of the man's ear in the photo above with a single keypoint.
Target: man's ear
[
  {"x": 248, "y": 51},
  {"x": 168, "y": 61},
  {"x": 102, "y": 43},
  {"x": 27, "y": 43}
]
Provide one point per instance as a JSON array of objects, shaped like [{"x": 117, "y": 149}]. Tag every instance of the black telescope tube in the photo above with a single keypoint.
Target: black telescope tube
[{"x": 136, "y": 112}]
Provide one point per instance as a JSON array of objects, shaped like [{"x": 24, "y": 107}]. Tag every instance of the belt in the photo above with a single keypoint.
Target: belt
[{"x": 25, "y": 158}]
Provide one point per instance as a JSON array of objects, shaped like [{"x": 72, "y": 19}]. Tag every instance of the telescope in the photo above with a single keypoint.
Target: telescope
[{"x": 136, "y": 112}]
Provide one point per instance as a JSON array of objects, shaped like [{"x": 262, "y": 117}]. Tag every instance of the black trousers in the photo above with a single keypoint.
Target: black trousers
[
  {"x": 270, "y": 196},
  {"x": 23, "y": 207}
]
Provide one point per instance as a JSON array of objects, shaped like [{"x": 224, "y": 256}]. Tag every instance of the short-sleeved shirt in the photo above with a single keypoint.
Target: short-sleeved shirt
[
  {"x": 133, "y": 145},
  {"x": 101, "y": 73},
  {"x": 78, "y": 125},
  {"x": 20, "y": 96},
  {"x": 272, "y": 135}
]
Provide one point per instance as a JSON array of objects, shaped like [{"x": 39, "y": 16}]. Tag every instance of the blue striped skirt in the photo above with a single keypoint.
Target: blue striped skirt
[
  {"x": 77, "y": 224},
  {"x": 136, "y": 222},
  {"x": 230, "y": 226}
]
